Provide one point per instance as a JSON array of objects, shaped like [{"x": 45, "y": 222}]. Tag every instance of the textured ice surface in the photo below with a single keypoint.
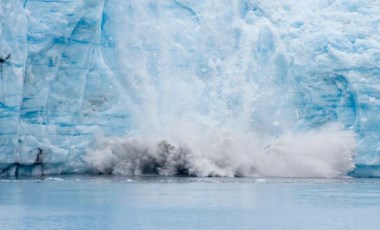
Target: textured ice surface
[{"x": 243, "y": 85}]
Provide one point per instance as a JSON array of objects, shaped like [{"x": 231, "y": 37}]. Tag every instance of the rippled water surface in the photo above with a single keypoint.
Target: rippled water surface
[{"x": 81, "y": 202}]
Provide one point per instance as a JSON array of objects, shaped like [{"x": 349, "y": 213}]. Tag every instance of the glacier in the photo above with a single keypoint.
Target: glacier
[{"x": 202, "y": 88}]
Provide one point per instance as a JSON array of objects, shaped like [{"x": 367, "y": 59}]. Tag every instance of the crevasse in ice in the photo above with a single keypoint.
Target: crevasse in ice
[{"x": 205, "y": 88}]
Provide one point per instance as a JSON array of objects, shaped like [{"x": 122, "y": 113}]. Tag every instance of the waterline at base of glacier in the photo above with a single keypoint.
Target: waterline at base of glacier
[{"x": 247, "y": 77}]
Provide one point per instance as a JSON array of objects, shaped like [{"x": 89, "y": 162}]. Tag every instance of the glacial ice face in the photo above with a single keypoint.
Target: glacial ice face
[{"x": 247, "y": 87}]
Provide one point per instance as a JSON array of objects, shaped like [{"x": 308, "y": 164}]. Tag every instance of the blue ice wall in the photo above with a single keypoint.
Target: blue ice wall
[{"x": 73, "y": 68}]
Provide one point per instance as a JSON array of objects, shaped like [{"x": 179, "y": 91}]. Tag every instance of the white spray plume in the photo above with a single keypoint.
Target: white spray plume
[{"x": 324, "y": 152}]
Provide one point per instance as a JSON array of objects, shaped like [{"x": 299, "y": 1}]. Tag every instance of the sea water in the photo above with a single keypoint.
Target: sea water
[{"x": 151, "y": 202}]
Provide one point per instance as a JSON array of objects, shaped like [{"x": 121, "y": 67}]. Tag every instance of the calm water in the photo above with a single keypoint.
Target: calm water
[{"x": 188, "y": 203}]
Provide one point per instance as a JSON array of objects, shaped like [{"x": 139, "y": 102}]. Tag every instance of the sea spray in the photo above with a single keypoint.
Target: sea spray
[{"x": 324, "y": 152}]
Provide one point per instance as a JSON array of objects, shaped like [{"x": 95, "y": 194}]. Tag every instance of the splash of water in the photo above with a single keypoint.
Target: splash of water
[
  {"x": 212, "y": 90},
  {"x": 325, "y": 152}
]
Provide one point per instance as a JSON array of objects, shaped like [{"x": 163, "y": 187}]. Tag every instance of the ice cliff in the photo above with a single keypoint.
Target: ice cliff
[{"x": 205, "y": 88}]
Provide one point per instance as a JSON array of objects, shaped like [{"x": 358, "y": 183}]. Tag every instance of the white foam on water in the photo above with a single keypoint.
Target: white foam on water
[{"x": 54, "y": 179}]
